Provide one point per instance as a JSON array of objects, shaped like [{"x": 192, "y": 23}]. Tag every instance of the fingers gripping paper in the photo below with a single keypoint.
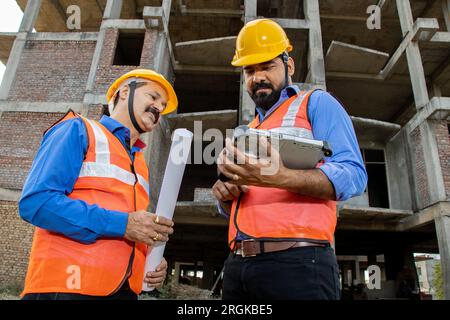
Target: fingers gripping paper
[{"x": 178, "y": 155}]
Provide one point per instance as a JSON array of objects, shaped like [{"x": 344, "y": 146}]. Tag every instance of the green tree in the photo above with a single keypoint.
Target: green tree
[{"x": 438, "y": 283}]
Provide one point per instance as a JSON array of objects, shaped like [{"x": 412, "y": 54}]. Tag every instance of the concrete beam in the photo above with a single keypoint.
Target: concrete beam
[
  {"x": 423, "y": 217},
  {"x": 355, "y": 225},
  {"x": 199, "y": 69},
  {"x": 90, "y": 99},
  {"x": 30, "y": 16},
  {"x": 113, "y": 9},
  {"x": 198, "y": 213},
  {"x": 210, "y": 12},
  {"x": 63, "y": 36},
  {"x": 9, "y": 195},
  {"x": 370, "y": 130},
  {"x": 196, "y": 52},
  {"x": 441, "y": 38},
  {"x": 154, "y": 17},
  {"x": 428, "y": 25},
  {"x": 40, "y": 107},
  {"x": 372, "y": 213},
  {"x": 221, "y": 120},
  {"x": 316, "y": 65},
  {"x": 437, "y": 106},
  {"x": 344, "y": 57},
  {"x": 394, "y": 79},
  {"x": 413, "y": 56},
  {"x": 129, "y": 24},
  {"x": 292, "y": 23}
]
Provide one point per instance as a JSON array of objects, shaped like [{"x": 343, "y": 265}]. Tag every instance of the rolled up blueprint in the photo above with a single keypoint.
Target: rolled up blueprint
[{"x": 178, "y": 155}]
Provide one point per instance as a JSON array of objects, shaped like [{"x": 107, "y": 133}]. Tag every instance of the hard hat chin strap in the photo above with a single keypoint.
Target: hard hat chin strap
[
  {"x": 285, "y": 58},
  {"x": 132, "y": 86}
]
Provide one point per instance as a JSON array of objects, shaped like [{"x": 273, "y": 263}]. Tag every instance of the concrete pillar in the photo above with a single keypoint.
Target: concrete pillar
[
  {"x": 208, "y": 276},
  {"x": 442, "y": 223},
  {"x": 436, "y": 186},
  {"x": 357, "y": 271},
  {"x": 399, "y": 264},
  {"x": 30, "y": 15},
  {"x": 446, "y": 13},
  {"x": 113, "y": 9},
  {"x": 28, "y": 20},
  {"x": 250, "y": 10},
  {"x": 316, "y": 64},
  {"x": 247, "y": 106},
  {"x": 176, "y": 276},
  {"x": 413, "y": 56}
]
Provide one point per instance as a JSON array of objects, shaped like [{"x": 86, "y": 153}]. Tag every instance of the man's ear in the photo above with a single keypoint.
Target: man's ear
[
  {"x": 291, "y": 66},
  {"x": 123, "y": 93}
]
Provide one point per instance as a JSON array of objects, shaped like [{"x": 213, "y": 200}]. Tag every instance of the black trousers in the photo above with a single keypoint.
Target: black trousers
[
  {"x": 124, "y": 293},
  {"x": 306, "y": 273}
]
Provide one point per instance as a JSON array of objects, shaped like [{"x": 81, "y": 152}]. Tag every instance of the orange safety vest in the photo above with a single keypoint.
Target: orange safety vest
[
  {"x": 277, "y": 214},
  {"x": 109, "y": 179}
]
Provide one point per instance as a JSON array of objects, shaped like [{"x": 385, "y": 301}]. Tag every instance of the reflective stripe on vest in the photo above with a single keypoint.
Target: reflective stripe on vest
[
  {"x": 102, "y": 167},
  {"x": 106, "y": 179},
  {"x": 274, "y": 214}
]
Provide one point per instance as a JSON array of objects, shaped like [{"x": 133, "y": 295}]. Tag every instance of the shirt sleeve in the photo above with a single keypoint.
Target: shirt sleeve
[
  {"x": 345, "y": 168},
  {"x": 221, "y": 211},
  {"x": 44, "y": 201}
]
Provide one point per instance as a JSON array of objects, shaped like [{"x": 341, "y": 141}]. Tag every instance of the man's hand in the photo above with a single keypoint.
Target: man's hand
[
  {"x": 148, "y": 228},
  {"x": 156, "y": 278},
  {"x": 225, "y": 191},
  {"x": 249, "y": 171}
]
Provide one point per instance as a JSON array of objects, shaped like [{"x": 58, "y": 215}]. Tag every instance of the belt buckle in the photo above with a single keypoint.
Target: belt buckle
[{"x": 243, "y": 250}]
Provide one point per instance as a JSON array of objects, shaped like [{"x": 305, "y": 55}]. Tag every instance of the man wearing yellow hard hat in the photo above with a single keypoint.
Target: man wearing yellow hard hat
[
  {"x": 87, "y": 194},
  {"x": 281, "y": 227}
]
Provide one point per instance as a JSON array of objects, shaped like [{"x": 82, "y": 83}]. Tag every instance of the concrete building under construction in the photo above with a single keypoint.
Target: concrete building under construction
[{"x": 390, "y": 71}]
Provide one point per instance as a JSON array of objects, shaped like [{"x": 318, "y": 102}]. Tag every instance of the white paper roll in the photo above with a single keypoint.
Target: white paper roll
[{"x": 178, "y": 155}]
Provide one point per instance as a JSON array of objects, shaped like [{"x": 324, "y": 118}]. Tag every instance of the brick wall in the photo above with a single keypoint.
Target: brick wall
[
  {"x": 16, "y": 236},
  {"x": 20, "y": 136},
  {"x": 53, "y": 71},
  {"x": 443, "y": 143},
  {"x": 107, "y": 72},
  {"x": 418, "y": 160}
]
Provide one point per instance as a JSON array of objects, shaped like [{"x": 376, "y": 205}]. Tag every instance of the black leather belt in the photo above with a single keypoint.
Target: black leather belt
[{"x": 251, "y": 247}]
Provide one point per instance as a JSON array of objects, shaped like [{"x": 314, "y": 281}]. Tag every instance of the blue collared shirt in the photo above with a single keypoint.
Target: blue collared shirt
[
  {"x": 330, "y": 122},
  {"x": 44, "y": 202}
]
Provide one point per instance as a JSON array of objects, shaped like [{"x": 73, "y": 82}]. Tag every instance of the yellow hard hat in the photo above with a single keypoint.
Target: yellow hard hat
[
  {"x": 145, "y": 74},
  {"x": 259, "y": 41}
]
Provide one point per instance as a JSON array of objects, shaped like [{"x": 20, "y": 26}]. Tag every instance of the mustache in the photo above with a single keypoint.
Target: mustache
[
  {"x": 261, "y": 85},
  {"x": 155, "y": 113}
]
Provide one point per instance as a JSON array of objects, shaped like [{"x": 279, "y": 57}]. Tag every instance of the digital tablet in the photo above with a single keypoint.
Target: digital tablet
[{"x": 296, "y": 152}]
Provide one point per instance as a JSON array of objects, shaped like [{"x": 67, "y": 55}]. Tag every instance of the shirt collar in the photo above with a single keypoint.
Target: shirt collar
[
  {"x": 115, "y": 126},
  {"x": 286, "y": 93}
]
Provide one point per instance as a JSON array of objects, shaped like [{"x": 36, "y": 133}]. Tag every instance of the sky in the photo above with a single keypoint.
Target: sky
[{"x": 10, "y": 18}]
